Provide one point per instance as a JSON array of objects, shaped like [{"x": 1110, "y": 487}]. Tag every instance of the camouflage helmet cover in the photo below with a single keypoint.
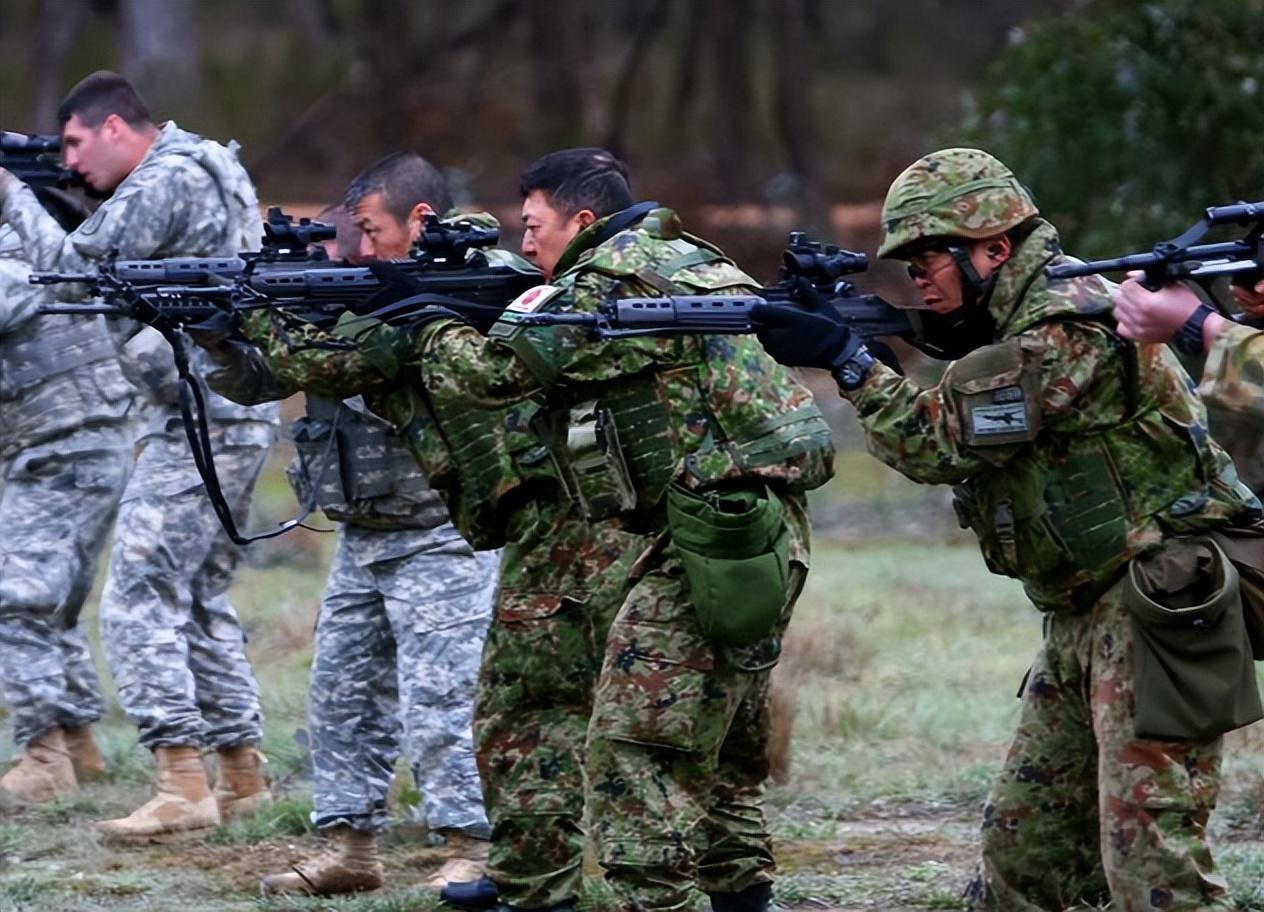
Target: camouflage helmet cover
[{"x": 963, "y": 193}]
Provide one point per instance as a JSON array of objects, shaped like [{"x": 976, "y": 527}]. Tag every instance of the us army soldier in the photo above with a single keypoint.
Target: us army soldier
[
  {"x": 172, "y": 638},
  {"x": 66, "y": 428}
]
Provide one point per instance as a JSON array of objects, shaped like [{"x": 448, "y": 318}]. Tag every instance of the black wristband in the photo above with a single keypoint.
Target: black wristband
[
  {"x": 1189, "y": 338},
  {"x": 850, "y": 374}
]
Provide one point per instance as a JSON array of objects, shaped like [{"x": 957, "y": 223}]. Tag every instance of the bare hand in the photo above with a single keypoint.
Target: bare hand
[
  {"x": 1152, "y": 316},
  {"x": 1251, "y": 300}
]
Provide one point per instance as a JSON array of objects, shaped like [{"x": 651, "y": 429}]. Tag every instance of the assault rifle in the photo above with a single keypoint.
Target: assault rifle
[
  {"x": 824, "y": 266},
  {"x": 1184, "y": 257},
  {"x": 288, "y": 272},
  {"x": 36, "y": 160},
  {"x": 449, "y": 268}
]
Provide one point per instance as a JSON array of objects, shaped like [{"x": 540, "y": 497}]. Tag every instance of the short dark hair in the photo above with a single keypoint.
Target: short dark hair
[
  {"x": 404, "y": 179},
  {"x": 100, "y": 94},
  {"x": 575, "y": 179}
]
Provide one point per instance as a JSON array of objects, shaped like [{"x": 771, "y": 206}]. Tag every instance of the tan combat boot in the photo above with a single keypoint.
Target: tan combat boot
[
  {"x": 43, "y": 772},
  {"x": 241, "y": 786},
  {"x": 349, "y": 865},
  {"x": 466, "y": 860},
  {"x": 84, "y": 754},
  {"x": 184, "y": 807}
]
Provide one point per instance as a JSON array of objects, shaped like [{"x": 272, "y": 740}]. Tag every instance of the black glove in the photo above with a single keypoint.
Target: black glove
[{"x": 814, "y": 335}]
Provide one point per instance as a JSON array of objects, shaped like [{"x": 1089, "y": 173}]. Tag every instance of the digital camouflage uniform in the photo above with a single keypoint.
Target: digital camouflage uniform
[
  {"x": 172, "y": 638},
  {"x": 561, "y": 581},
  {"x": 401, "y": 622},
  {"x": 677, "y": 740},
  {"x": 1073, "y": 452},
  {"x": 66, "y": 443}
]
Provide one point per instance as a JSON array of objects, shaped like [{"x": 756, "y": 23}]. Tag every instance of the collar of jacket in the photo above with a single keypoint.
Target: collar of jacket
[
  {"x": 1023, "y": 296},
  {"x": 601, "y": 231}
]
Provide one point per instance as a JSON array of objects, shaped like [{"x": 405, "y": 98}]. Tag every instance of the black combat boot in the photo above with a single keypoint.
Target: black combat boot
[
  {"x": 471, "y": 894},
  {"x": 755, "y": 898}
]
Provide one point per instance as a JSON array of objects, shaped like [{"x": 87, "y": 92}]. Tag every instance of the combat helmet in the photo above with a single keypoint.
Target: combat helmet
[{"x": 964, "y": 193}]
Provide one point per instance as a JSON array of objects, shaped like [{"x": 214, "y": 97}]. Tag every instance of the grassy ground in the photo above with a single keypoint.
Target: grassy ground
[{"x": 903, "y": 662}]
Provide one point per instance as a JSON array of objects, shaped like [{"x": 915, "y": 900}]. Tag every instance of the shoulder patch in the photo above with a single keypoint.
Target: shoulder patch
[{"x": 533, "y": 299}]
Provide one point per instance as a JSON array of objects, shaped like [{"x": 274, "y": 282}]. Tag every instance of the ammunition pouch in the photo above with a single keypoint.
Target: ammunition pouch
[
  {"x": 735, "y": 549},
  {"x": 351, "y": 465},
  {"x": 1194, "y": 677},
  {"x": 994, "y": 396},
  {"x": 48, "y": 347},
  {"x": 601, "y": 482}
]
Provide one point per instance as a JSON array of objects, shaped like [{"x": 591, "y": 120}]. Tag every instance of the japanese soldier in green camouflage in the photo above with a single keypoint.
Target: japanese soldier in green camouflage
[
  {"x": 1083, "y": 464},
  {"x": 701, "y": 443},
  {"x": 562, "y": 578}
]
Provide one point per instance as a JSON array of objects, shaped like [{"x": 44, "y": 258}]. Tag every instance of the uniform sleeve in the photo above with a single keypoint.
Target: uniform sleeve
[
  {"x": 485, "y": 373},
  {"x": 19, "y": 300},
  {"x": 1234, "y": 373},
  {"x": 354, "y": 358},
  {"x": 149, "y": 214},
  {"x": 244, "y": 374},
  {"x": 920, "y": 432}
]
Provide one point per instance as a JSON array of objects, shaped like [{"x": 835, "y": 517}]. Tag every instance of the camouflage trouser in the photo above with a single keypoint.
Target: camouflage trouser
[
  {"x": 171, "y": 636},
  {"x": 1083, "y": 810},
  {"x": 55, "y": 512},
  {"x": 561, "y": 584},
  {"x": 398, "y": 639},
  {"x": 678, "y": 749}
]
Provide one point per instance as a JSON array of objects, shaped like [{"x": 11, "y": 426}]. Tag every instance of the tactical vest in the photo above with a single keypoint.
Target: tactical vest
[
  {"x": 1063, "y": 515},
  {"x": 719, "y": 410},
  {"x": 352, "y": 465},
  {"x": 485, "y": 464},
  {"x": 46, "y": 347}
]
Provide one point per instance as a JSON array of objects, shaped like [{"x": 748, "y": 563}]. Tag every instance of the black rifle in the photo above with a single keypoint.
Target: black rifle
[
  {"x": 449, "y": 268},
  {"x": 288, "y": 272},
  {"x": 36, "y": 160},
  {"x": 1184, "y": 258},
  {"x": 824, "y": 266}
]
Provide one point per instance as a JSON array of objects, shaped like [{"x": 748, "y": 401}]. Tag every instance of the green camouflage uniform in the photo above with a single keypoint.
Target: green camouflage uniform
[
  {"x": 1073, "y": 452},
  {"x": 677, "y": 742},
  {"x": 1233, "y": 376},
  {"x": 561, "y": 581}
]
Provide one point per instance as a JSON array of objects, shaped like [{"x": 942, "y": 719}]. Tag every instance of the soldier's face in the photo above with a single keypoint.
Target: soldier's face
[
  {"x": 382, "y": 235},
  {"x": 546, "y": 231},
  {"x": 937, "y": 280},
  {"x": 99, "y": 153}
]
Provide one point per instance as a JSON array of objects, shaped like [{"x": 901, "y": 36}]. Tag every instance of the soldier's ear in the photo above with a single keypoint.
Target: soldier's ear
[{"x": 585, "y": 217}]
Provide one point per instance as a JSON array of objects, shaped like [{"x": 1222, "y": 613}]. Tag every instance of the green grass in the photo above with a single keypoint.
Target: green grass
[{"x": 902, "y": 663}]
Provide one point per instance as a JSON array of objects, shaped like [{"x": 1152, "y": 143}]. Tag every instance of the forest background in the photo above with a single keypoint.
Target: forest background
[{"x": 753, "y": 118}]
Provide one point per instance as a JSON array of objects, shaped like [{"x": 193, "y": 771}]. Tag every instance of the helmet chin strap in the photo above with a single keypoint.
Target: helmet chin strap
[{"x": 975, "y": 290}]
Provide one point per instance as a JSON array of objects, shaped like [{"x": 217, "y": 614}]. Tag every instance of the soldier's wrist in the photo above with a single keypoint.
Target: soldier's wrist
[
  {"x": 1189, "y": 339},
  {"x": 850, "y": 370}
]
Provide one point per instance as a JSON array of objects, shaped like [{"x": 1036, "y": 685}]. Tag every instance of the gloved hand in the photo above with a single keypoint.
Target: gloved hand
[{"x": 813, "y": 335}]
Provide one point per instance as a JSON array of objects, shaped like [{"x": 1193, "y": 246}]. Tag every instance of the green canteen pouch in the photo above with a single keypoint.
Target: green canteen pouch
[
  {"x": 1244, "y": 546},
  {"x": 735, "y": 548},
  {"x": 1194, "y": 676}
]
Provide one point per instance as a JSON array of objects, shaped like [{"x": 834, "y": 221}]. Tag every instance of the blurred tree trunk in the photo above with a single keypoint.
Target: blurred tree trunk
[
  {"x": 795, "y": 119},
  {"x": 557, "y": 45},
  {"x": 629, "y": 75},
  {"x": 319, "y": 21},
  {"x": 160, "y": 52},
  {"x": 57, "y": 27},
  {"x": 731, "y": 95}
]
